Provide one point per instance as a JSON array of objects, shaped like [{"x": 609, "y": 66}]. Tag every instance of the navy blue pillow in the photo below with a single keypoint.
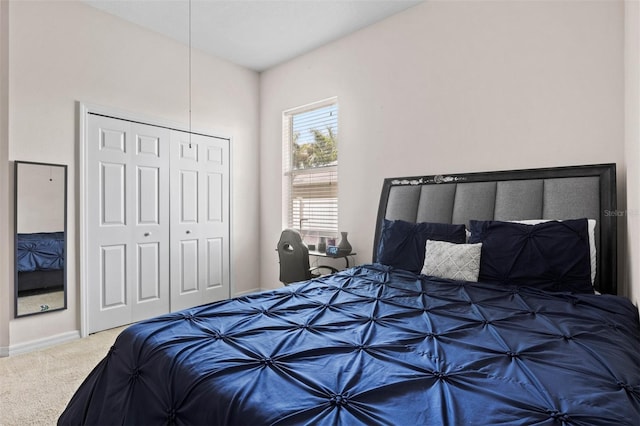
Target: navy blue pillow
[
  {"x": 551, "y": 255},
  {"x": 402, "y": 244}
]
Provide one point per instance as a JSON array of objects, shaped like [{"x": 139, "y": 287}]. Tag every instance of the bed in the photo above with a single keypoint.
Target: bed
[
  {"x": 40, "y": 261},
  {"x": 488, "y": 323}
]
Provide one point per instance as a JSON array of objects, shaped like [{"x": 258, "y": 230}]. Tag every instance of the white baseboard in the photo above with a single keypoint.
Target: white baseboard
[
  {"x": 251, "y": 291},
  {"x": 37, "y": 344}
]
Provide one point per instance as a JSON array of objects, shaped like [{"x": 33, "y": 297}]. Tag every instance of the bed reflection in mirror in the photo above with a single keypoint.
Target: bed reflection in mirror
[{"x": 40, "y": 237}]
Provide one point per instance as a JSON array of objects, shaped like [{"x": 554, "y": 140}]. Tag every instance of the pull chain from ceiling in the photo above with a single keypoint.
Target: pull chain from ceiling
[{"x": 190, "y": 66}]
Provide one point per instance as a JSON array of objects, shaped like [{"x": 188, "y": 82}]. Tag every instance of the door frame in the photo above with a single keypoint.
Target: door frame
[{"x": 83, "y": 110}]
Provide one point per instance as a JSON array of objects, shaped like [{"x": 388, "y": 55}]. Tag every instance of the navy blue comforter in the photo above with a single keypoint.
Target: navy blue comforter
[
  {"x": 372, "y": 345},
  {"x": 41, "y": 251}
]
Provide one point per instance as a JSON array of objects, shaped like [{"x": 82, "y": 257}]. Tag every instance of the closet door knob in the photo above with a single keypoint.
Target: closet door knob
[
  {"x": 146, "y": 234},
  {"x": 188, "y": 232}
]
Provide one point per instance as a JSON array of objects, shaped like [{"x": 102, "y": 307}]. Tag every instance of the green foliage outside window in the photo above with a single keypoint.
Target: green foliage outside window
[{"x": 323, "y": 151}]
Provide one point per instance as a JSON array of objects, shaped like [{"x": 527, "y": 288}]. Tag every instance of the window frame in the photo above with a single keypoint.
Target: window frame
[{"x": 327, "y": 207}]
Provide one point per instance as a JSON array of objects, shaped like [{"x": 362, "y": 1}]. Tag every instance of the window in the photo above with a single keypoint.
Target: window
[{"x": 311, "y": 169}]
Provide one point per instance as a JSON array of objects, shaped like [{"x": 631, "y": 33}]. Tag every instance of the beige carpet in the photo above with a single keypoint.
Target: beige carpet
[{"x": 35, "y": 387}]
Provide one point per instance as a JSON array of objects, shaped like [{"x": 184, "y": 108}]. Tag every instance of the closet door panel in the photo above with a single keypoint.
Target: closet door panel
[
  {"x": 150, "y": 231},
  {"x": 112, "y": 194},
  {"x": 127, "y": 230},
  {"x": 148, "y": 198},
  {"x": 218, "y": 216},
  {"x": 215, "y": 215},
  {"x": 215, "y": 193},
  {"x": 188, "y": 265},
  {"x": 108, "y": 247},
  {"x": 149, "y": 283},
  {"x": 112, "y": 138},
  {"x": 200, "y": 180},
  {"x": 185, "y": 227},
  {"x": 188, "y": 197},
  {"x": 148, "y": 145},
  {"x": 185, "y": 245},
  {"x": 113, "y": 278},
  {"x": 215, "y": 260}
]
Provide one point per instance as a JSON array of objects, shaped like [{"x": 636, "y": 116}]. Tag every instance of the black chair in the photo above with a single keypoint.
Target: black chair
[{"x": 294, "y": 259}]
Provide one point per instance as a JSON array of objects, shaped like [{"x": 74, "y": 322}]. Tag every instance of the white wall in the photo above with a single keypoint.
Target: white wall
[
  {"x": 632, "y": 143},
  {"x": 449, "y": 87},
  {"x": 63, "y": 52},
  {"x": 6, "y": 215}
]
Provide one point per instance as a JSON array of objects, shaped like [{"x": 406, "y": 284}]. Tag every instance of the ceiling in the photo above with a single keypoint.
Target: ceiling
[{"x": 256, "y": 34}]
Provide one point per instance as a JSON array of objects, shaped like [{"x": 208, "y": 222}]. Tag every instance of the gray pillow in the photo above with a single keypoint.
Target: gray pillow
[{"x": 453, "y": 261}]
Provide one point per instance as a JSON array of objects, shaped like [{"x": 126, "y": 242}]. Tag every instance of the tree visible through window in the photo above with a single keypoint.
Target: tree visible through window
[
  {"x": 321, "y": 151},
  {"x": 311, "y": 169}
]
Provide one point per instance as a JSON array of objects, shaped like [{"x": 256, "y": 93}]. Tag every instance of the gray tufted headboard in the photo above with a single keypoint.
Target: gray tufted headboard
[{"x": 551, "y": 193}]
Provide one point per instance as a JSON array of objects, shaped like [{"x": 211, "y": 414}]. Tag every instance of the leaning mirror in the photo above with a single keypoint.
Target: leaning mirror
[{"x": 40, "y": 237}]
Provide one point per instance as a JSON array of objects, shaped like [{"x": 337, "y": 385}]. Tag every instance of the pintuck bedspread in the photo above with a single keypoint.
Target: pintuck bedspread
[
  {"x": 375, "y": 345},
  {"x": 41, "y": 251}
]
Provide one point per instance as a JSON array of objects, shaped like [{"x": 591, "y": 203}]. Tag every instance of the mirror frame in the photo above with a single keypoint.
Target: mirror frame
[{"x": 15, "y": 234}]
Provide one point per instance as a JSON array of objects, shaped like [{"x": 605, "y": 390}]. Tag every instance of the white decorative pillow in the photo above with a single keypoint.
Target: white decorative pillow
[{"x": 453, "y": 261}]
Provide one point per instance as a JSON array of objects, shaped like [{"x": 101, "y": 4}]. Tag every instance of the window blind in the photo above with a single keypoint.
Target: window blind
[{"x": 311, "y": 168}]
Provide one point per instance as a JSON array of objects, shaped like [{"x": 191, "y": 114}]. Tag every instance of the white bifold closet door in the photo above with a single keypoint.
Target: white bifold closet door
[
  {"x": 199, "y": 219},
  {"x": 128, "y": 230},
  {"x": 158, "y": 221}
]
